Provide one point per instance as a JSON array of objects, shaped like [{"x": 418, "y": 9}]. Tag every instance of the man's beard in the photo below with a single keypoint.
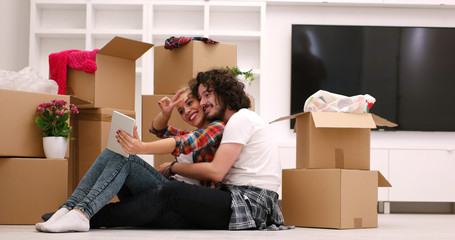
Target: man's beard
[{"x": 219, "y": 115}]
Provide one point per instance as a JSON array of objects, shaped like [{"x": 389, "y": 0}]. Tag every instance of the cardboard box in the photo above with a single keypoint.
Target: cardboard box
[
  {"x": 174, "y": 68},
  {"x": 91, "y": 128},
  {"x": 31, "y": 187},
  {"x": 113, "y": 83},
  {"x": 334, "y": 140},
  {"x": 331, "y": 198},
  {"x": 21, "y": 137}
]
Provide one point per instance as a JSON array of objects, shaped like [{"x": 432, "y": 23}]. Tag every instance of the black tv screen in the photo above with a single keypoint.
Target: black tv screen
[{"x": 409, "y": 70}]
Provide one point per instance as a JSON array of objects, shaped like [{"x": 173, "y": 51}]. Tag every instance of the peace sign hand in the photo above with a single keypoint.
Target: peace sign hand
[{"x": 167, "y": 105}]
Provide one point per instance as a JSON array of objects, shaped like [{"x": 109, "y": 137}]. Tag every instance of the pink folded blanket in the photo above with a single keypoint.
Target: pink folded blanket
[{"x": 75, "y": 59}]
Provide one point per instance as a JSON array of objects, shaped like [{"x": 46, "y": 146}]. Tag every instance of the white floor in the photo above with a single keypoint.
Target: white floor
[{"x": 391, "y": 226}]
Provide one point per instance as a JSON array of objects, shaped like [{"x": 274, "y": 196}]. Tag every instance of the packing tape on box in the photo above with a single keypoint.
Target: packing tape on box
[
  {"x": 358, "y": 223},
  {"x": 339, "y": 158}
]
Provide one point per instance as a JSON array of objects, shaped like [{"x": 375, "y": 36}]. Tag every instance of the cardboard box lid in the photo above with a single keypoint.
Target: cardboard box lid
[
  {"x": 382, "y": 122},
  {"x": 125, "y": 48},
  {"x": 382, "y": 181},
  {"x": 342, "y": 120},
  {"x": 79, "y": 101}
]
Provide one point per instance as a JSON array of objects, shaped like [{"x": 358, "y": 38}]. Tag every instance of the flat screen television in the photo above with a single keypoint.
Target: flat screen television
[{"x": 409, "y": 70}]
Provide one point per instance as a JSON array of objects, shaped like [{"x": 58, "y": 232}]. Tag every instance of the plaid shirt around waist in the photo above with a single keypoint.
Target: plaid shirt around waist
[{"x": 255, "y": 208}]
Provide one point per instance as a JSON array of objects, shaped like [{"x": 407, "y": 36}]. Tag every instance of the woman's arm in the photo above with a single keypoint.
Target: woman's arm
[
  {"x": 215, "y": 171},
  {"x": 185, "y": 144}
]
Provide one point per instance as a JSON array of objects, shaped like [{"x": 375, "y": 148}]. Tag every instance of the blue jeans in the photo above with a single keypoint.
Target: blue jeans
[{"x": 106, "y": 177}]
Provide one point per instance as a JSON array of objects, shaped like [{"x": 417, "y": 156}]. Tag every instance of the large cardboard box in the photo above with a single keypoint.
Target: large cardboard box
[
  {"x": 91, "y": 128},
  {"x": 174, "y": 68},
  {"x": 20, "y": 136},
  {"x": 31, "y": 187},
  {"x": 113, "y": 83},
  {"x": 331, "y": 198},
  {"x": 334, "y": 139},
  {"x": 150, "y": 109}
]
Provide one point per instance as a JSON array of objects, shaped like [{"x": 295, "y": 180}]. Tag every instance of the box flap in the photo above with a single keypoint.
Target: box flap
[
  {"x": 382, "y": 182},
  {"x": 382, "y": 122},
  {"x": 125, "y": 48},
  {"x": 342, "y": 120},
  {"x": 79, "y": 101},
  {"x": 288, "y": 117}
]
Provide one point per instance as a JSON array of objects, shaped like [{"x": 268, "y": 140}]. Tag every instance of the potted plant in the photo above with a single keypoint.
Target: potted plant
[
  {"x": 248, "y": 75},
  {"x": 52, "y": 117}
]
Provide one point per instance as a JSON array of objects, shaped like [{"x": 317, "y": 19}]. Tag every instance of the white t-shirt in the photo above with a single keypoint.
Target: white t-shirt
[
  {"x": 257, "y": 164},
  {"x": 186, "y": 159}
]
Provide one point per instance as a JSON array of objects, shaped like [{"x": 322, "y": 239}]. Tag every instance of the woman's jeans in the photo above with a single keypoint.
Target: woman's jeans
[{"x": 106, "y": 177}]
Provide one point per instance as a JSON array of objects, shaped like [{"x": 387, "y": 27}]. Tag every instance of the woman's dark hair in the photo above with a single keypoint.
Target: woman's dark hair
[{"x": 227, "y": 88}]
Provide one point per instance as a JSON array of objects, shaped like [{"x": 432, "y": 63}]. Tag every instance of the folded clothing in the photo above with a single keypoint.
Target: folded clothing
[{"x": 176, "y": 42}]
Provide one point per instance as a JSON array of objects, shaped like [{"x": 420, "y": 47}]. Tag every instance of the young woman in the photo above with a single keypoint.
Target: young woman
[{"x": 112, "y": 174}]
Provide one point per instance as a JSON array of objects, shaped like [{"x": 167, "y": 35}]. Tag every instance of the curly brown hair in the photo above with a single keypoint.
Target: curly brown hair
[{"x": 227, "y": 88}]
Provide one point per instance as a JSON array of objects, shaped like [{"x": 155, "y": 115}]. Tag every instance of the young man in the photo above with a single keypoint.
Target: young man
[{"x": 247, "y": 160}]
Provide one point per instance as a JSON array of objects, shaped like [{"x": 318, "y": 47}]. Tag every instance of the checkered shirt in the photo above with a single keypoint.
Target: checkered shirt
[{"x": 202, "y": 143}]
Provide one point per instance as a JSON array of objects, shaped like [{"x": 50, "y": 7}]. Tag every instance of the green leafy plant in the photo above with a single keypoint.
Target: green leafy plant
[
  {"x": 248, "y": 74},
  {"x": 52, "y": 117}
]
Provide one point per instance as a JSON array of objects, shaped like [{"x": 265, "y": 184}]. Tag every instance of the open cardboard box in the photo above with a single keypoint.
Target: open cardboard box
[
  {"x": 331, "y": 198},
  {"x": 174, "y": 68},
  {"x": 334, "y": 139},
  {"x": 113, "y": 83}
]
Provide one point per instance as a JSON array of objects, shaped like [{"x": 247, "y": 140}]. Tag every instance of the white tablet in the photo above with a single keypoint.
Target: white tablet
[{"x": 123, "y": 122}]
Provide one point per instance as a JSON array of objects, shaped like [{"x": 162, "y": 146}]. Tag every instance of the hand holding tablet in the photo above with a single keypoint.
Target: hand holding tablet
[{"x": 119, "y": 122}]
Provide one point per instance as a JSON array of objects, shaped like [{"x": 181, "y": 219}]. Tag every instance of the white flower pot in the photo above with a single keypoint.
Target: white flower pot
[{"x": 55, "y": 147}]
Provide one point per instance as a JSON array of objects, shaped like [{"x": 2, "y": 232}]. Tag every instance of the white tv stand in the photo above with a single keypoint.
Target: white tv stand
[{"x": 419, "y": 165}]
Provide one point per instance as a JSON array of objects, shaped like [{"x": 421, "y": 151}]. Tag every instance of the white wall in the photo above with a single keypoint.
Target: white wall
[
  {"x": 276, "y": 59},
  {"x": 14, "y": 32}
]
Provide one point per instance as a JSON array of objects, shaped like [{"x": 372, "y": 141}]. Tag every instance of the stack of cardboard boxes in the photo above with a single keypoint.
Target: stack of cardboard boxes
[
  {"x": 111, "y": 87},
  {"x": 30, "y": 184},
  {"x": 332, "y": 185},
  {"x": 172, "y": 71}
]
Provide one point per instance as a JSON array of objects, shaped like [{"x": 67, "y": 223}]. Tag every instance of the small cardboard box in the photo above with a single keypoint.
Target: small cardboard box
[
  {"x": 174, "y": 68},
  {"x": 150, "y": 109},
  {"x": 31, "y": 187},
  {"x": 20, "y": 136},
  {"x": 91, "y": 130},
  {"x": 331, "y": 198},
  {"x": 334, "y": 139},
  {"x": 113, "y": 83}
]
